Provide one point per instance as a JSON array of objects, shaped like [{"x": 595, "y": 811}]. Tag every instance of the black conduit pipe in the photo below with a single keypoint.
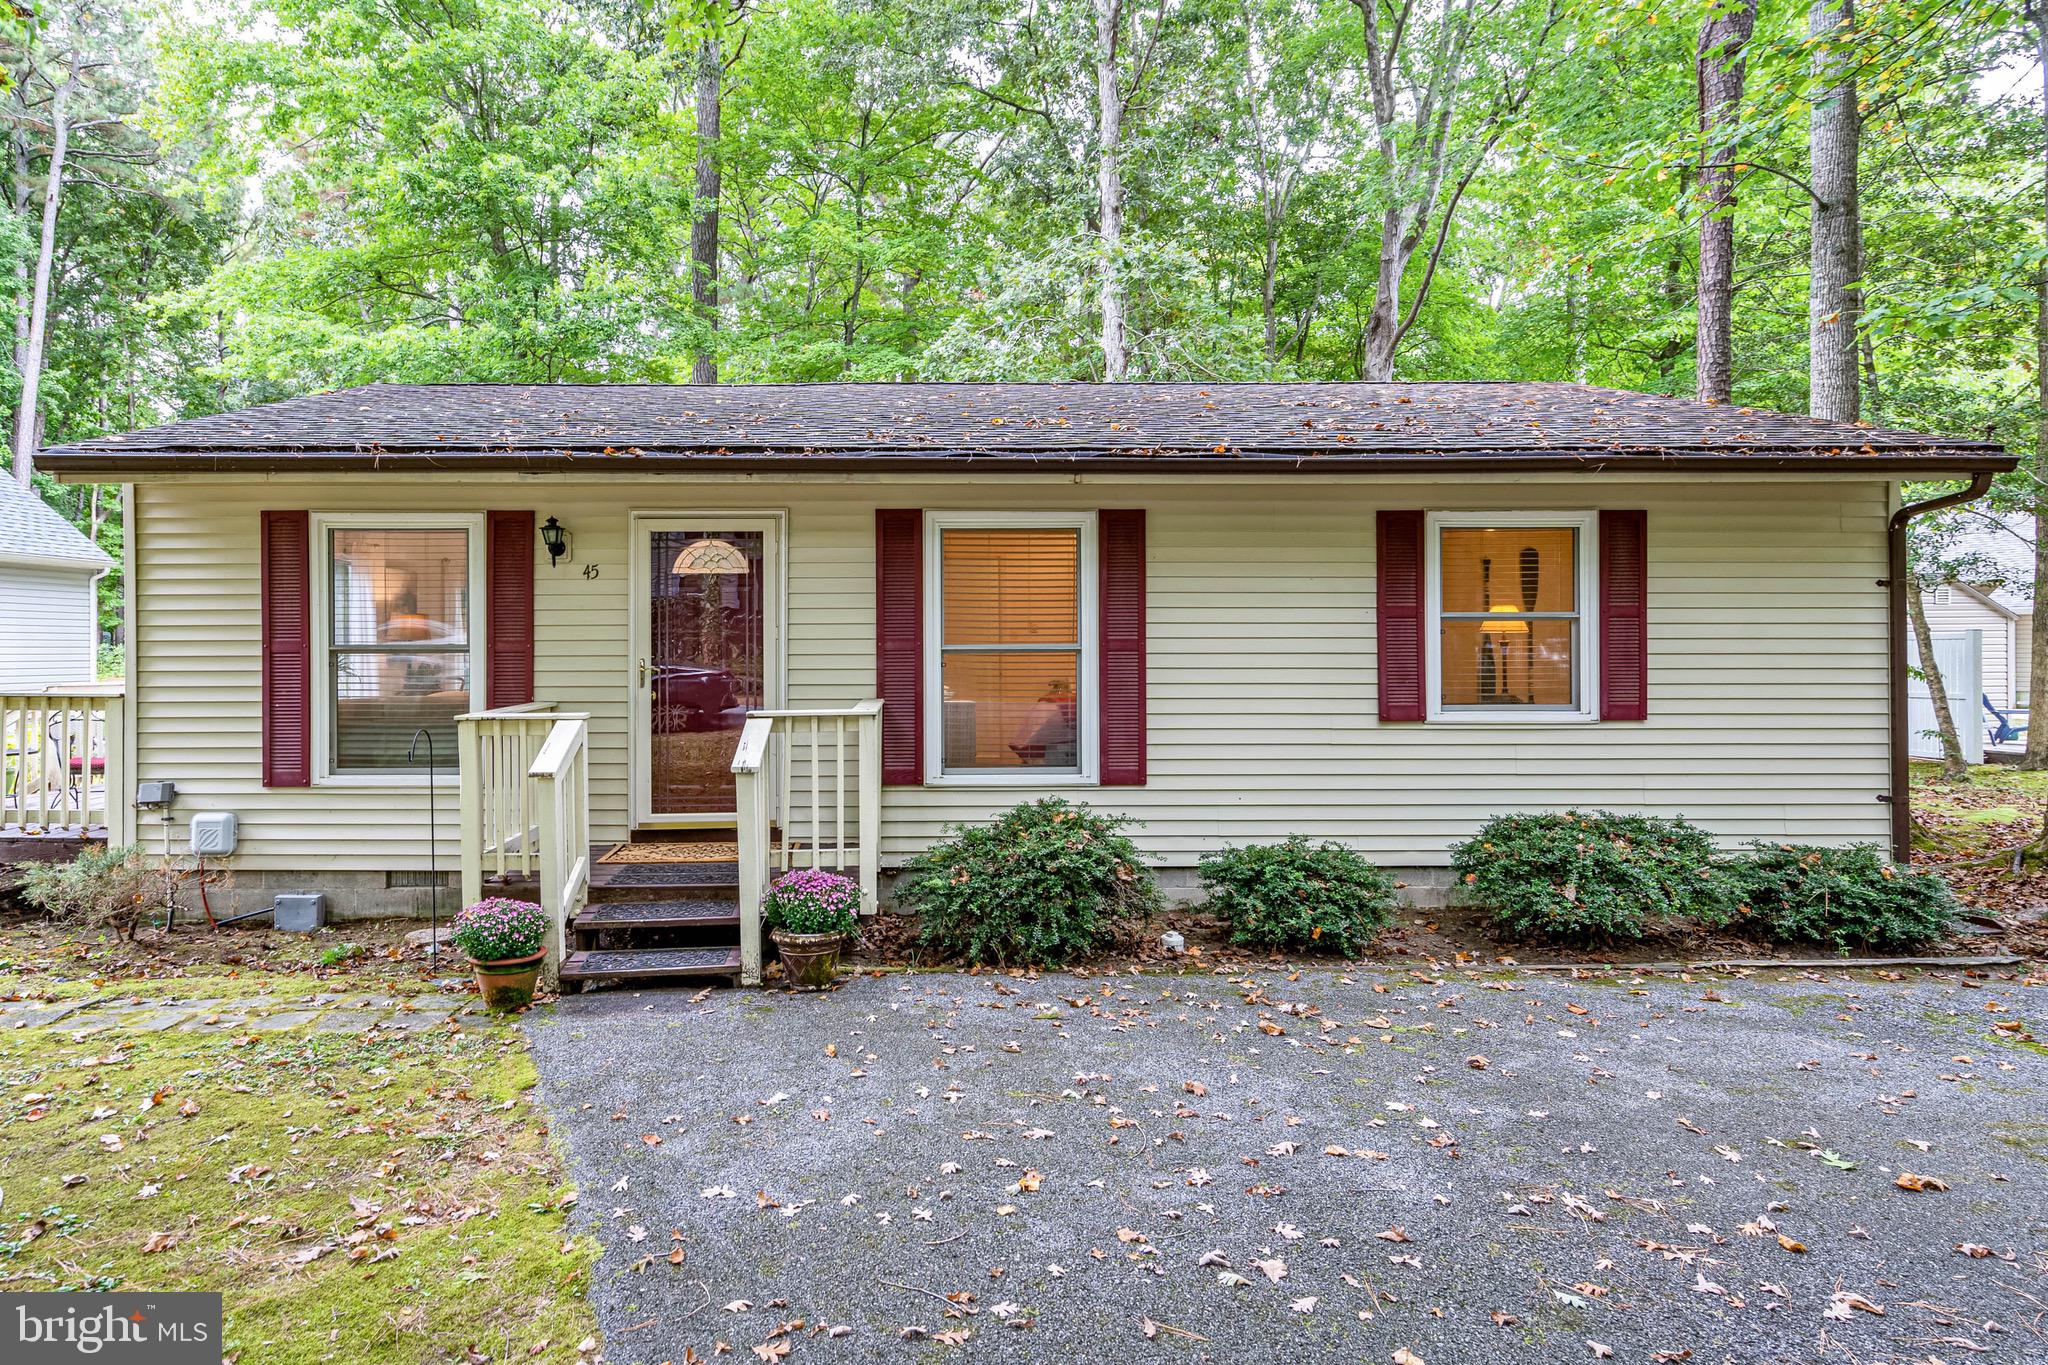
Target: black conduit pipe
[{"x": 1900, "y": 797}]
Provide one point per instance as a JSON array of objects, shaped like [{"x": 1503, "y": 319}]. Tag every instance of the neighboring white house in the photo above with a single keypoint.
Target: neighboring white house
[
  {"x": 1953, "y": 608},
  {"x": 49, "y": 595},
  {"x": 1997, "y": 606},
  {"x": 1380, "y": 613}
]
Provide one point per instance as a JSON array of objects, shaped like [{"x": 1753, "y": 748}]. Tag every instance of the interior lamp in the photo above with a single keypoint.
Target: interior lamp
[{"x": 1504, "y": 619}]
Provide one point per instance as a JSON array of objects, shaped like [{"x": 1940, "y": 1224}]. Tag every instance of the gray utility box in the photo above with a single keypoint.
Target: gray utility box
[{"x": 300, "y": 913}]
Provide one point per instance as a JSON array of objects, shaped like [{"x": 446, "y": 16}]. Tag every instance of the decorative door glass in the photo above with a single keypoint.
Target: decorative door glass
[{"x": 706, "y": 662}]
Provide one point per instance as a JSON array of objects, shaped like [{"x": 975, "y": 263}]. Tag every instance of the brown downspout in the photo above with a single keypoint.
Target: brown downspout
[{"x": 1900, "y": 796}]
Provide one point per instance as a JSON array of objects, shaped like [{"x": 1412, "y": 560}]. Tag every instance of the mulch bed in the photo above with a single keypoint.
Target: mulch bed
[
  {"x": 37, "y": 947},
  {"x": 1450, "y": 936}
]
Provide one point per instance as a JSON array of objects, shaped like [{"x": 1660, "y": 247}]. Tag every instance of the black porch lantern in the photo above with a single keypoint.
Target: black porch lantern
[{"x": 556, "y": 538}]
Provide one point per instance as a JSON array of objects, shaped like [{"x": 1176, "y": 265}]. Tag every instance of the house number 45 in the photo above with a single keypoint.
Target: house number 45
[{"x": 590, "y": 570}]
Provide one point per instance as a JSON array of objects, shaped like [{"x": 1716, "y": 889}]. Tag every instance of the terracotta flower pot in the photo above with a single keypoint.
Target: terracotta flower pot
[
  {"x": 810, "y": 962},
  {"x": 508, "y": 984}
]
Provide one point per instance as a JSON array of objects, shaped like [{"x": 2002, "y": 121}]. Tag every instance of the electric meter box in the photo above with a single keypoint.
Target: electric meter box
[{"x": 213, "y": 834}]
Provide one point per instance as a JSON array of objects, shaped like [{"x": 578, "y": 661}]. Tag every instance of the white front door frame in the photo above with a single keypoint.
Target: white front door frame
[{"x": 773, "y": 524}]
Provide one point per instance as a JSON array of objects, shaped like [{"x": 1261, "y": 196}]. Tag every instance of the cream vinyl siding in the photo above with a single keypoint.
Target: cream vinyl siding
[
  {"x": 1767, "y": 667},
  {"x": 1966, "y": 611},
  {"x": 48, "y": 626}
]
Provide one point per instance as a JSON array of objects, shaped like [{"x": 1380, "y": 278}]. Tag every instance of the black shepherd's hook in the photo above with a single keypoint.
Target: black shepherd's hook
[{"x": 433, "y": 847}]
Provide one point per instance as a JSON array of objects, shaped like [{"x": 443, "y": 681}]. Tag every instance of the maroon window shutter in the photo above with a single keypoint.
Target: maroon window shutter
[
  {"x": 1120, "y": 550},
  {"x": 508, "y": 597},
  {"x": 1403, "y": 680},
  {"x": 287, "y": 571},
  {"x": 899, "y": 642},
  {"x": 1624, "y": 616}
]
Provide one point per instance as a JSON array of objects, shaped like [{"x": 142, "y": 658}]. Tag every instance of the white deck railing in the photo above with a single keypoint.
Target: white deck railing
[
  {"x": 61, "y": 766},
  {"x": 561, "y": 771},
  {"x": 794, "y": 772},
  {"x": 525, "y": 802}
]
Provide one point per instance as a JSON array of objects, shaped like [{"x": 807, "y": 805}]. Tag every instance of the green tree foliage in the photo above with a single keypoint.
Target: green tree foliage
[
  {"x": 135, "y": 227},
  {"x": 495, "y": 190}
]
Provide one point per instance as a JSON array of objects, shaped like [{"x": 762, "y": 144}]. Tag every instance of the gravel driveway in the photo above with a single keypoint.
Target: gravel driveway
[{"x": 1465, "y": 1168}]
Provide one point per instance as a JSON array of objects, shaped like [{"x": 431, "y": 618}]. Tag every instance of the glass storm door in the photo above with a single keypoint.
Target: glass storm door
[{"x": 704, "y": 651}]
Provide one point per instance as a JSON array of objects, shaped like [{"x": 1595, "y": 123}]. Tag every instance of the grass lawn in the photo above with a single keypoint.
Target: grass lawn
[
  {"x": 1999, "y": 807},
  {"x": 355, "y": 1196},
  {"x": 1971, "y": 833}
]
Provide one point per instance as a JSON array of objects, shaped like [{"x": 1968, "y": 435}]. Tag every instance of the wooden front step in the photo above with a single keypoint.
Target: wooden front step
[
  {"x": 663, "y": 881},
  {"x": 673, "y": 918},
  {"x": 618, "y": 964},
  {"x": 658, "y": 914}
]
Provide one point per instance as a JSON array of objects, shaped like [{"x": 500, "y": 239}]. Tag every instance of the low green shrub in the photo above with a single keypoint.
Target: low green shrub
[
  {"x": 811, "y": 900},
  {"x": 1588, "y": 875},
  {"x": 1047, "y": 882},
  {"x": 1851, "y": 898},
  {"x": 1298, "y": 895},
  {"x": 109, "y": 888}
]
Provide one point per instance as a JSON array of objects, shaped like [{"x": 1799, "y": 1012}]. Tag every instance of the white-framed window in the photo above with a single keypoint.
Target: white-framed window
[
  {"x": 1010, "y": 643},
  {"x": 1512, "y": 621},
  {"x": 398, "y": 641}
]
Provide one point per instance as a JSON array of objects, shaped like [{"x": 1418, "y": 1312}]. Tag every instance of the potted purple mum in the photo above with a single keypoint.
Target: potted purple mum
[
  {"x": 810, "y": 913},
  {"x": 505, "y": 941}
]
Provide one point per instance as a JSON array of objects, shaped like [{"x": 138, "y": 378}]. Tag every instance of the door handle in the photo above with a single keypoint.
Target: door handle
[{"x": 643, "y": 672}]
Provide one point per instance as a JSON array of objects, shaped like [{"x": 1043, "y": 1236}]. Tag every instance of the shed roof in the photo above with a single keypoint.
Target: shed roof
[
  {"x": 1333, "y": 427},
  {"x": 2004, "y": 545},
  {"x": 33, "y": 532}
]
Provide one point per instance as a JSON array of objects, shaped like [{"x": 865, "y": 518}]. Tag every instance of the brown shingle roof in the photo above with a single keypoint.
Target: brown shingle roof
[{"x": 1375, "y": 427}]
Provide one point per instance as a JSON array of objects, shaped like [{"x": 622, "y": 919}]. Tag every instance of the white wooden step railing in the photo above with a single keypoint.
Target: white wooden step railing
[
  {"x": 525, "y": 802},
  {"x": 61, "y": 765},
  {"x": 795, "y": 770}
]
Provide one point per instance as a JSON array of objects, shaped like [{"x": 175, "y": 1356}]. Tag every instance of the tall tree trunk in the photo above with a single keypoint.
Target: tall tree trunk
[
  {"x": 2037, "y": 739},
  {"x": 1424, "y": 183},
  {"x": 1833, "y": 303},
  {"x": 1109, "y": 186},
  {"x": 704, "y": 205},
  {"x": 1721, "y": 70},
  {"x": 23, "y": 197},
  {"x": 1953, "y": 766},
  {"x": 22, "y": 280},
  {"x": 1268, "y": 283},
  {"x": 26, "y": 426},
  {"x": 1382, "y": 329}
]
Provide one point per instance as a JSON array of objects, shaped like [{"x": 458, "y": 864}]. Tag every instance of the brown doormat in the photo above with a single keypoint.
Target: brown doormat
[{"x": 681, "y": 851}]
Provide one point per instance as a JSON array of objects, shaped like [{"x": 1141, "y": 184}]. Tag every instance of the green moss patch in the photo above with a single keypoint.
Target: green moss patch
[{"x": 353, "y": 1198}]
